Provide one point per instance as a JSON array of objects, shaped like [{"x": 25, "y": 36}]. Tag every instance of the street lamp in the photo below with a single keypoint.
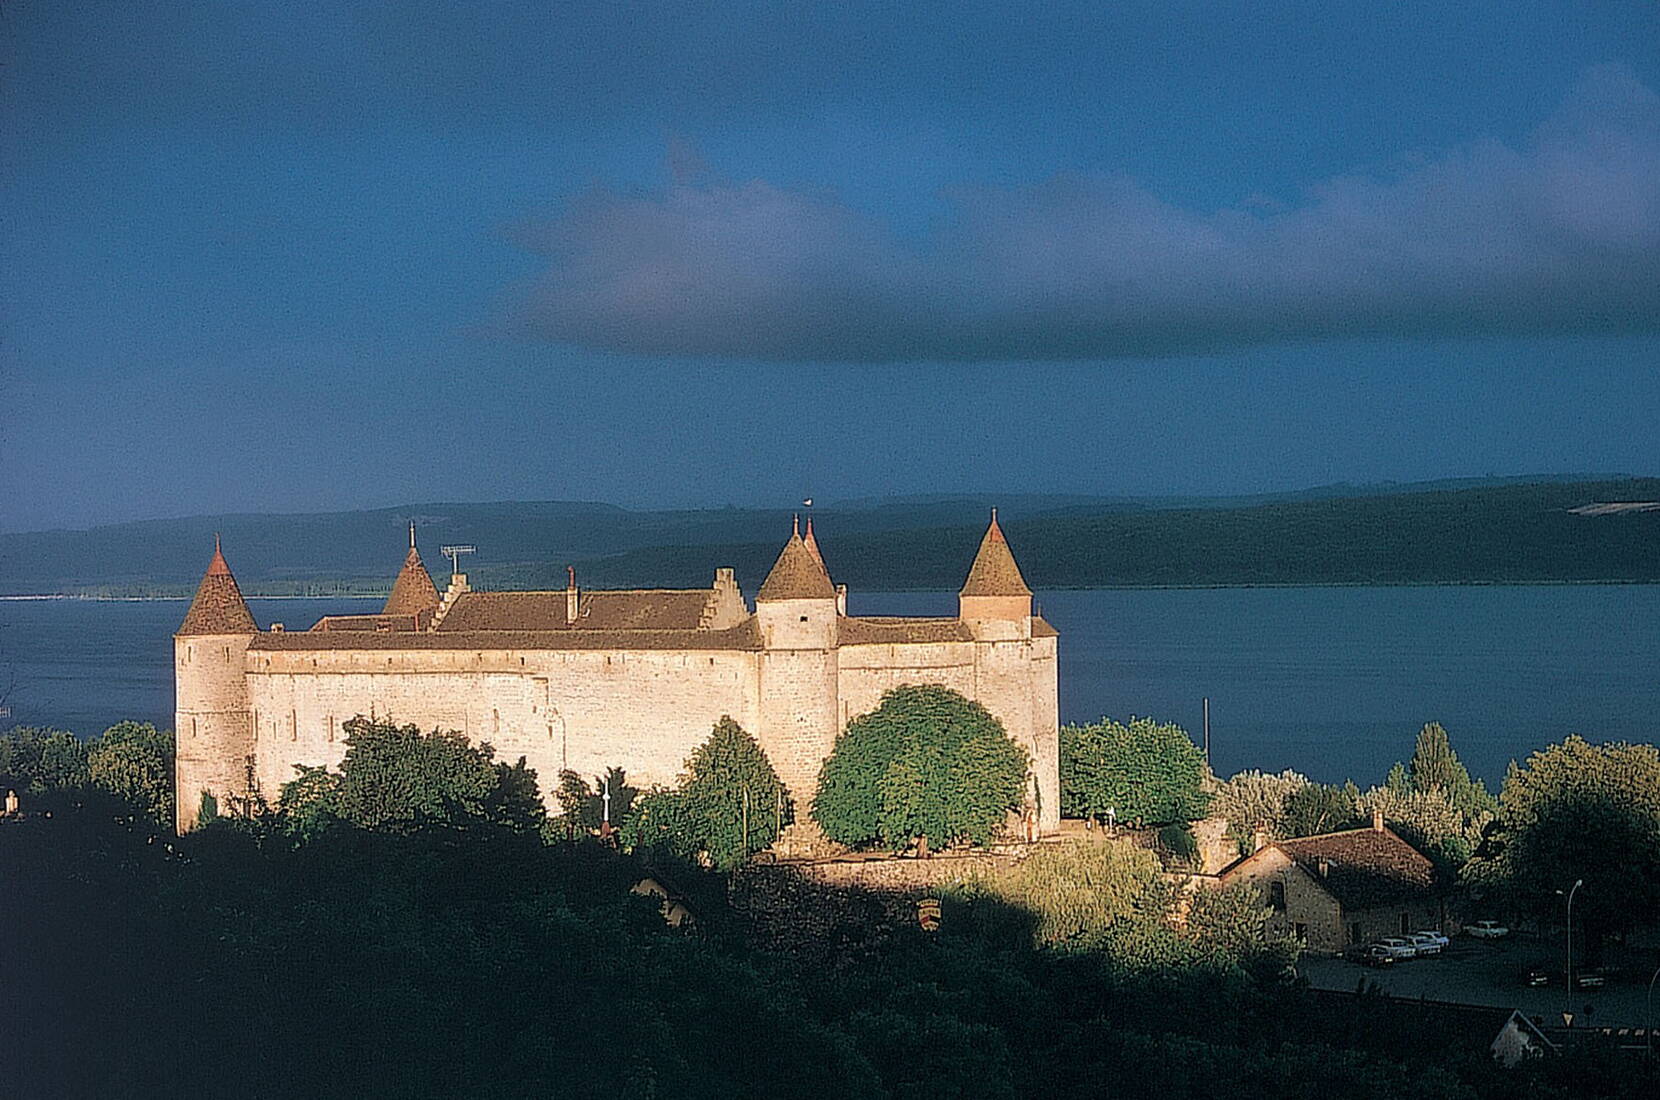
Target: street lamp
[
  {"x": 1568, "y": 996},
  {"x": 1650, "y": 1028}
]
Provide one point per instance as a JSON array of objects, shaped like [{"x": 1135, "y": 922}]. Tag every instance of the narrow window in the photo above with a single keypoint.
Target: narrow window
[
  {"x": 189, "y": 651},
  {"x": 293, "y": 726},
  {"x": 331, "y": 728},
  {"x": 495, "y": 720},
  {"x": 1276, "y": 896},
  {"x": 193, "y": 725}
]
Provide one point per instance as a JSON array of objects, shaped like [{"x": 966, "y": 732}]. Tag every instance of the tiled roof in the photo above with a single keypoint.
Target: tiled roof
[
  {"x": 218, "y": 607},
  {"x": 413, "y": 592},
  {"x": 796, "y": 575},
  {"x": 1042, "y": 629},
  {"x": 994, "y": 572},
  {"x": 601, "y": 609},
  {"x": 743, "y": 637},
  {"x": 1365, "y": 867},
  {"x": 886, "y": 631},
  {"x": 383, "y": 622}
]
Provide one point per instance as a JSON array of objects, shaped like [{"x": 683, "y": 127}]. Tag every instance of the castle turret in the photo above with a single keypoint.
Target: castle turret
[
  {"x": 413, "y": 593},
  {"x": 995, "y": 600},
  {"x": 1014, "y": 670},
  {"x": 796, "y": 612},
  {"x": 213, "y": 732}
]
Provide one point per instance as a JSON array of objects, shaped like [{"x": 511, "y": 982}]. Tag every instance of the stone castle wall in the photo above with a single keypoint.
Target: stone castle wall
[
  {"x": 587, "y": 710},
  {"x": 584, "y": 710}
]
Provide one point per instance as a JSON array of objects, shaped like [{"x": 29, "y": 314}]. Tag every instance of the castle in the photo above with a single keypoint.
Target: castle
[{"x": 590, "y": 679}]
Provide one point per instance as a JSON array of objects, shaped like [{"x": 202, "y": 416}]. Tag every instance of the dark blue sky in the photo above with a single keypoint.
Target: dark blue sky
[{"x": 357, "y": 254}]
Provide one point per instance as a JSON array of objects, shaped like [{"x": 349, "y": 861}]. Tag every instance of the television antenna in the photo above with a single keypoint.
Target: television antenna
[{"x": 454, "y": 554}]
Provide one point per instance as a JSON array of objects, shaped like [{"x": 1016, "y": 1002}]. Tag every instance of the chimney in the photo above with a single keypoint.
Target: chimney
[
  {"x": 841, "y": 600},
  {"x": 1377, "y": 819},
  {"x": 276, "y": 628},
  {"x": 1259, "y": 839},
  {"x": 571, "y": 595},
  {"x": 1325, "y": 868}
]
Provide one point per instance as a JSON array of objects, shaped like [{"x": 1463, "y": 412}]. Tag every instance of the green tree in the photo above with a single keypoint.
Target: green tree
[
  {"x": 926, "y": 763},
  {"x": 134, "y": 762},
  {"x": 1321, "y": 808},
  {"x": 728, "y": 805},
  {"x": 1582, "y": 811},
  {"x": 35, "y": 760},
  {"x": 516, "y": 799},
  {"x": 1253, "y": 800},
  {"x": 1146, "y": 771},
  {"x": 397, "y": 778},
  {"x": 1435, "y": 766},
  {"x": 582, "y": 805},
  {"x": 310, "y": 802}
]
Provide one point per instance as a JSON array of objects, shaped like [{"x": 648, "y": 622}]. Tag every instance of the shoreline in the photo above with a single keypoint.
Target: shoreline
[{"x": 1190, "y": 587}]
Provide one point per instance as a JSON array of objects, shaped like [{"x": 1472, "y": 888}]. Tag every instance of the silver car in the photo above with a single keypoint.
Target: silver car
[
  {"x": 1426, "y": 943},
  {"x": 1399, "y": 947}
]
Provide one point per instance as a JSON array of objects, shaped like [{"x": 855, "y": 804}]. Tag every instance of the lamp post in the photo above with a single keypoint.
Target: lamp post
[
  {"x": 1650, "y": 1028},
  {"x": 1568, "y": 996}
]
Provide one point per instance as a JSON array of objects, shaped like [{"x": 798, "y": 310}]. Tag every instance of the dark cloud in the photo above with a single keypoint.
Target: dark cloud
[{"x": 1559, "y": 234}]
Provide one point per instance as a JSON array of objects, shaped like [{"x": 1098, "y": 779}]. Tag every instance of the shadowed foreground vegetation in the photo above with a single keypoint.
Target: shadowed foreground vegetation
[{"x": 456, "y": 952}]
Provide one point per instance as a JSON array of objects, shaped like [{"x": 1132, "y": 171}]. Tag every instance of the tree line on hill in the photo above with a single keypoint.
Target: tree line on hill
[
  {"x": 415, "y": 923},
  {"x": 1488, "y": 533}
]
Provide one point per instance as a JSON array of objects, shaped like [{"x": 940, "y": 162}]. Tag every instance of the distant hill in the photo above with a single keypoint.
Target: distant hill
[{"x": 1444, "y": 532}]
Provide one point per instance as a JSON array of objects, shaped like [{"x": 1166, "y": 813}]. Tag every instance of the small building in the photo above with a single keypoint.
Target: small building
[{"x": 1338, "y": 889}]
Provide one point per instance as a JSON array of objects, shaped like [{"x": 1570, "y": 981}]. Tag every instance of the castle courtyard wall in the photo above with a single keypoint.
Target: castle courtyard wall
[{"x": 584, "y": 710}]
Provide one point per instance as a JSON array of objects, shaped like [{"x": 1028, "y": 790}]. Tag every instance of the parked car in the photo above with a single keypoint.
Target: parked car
[
  {"x": 1545, "y": 975},
  {"x": 1487, "y": 930},
  {"x": 1374, "y": 954},
  {"x": 1426, "y": 943},
  {"x": 1398, "y": 947},
  {"x": 1432, "y": 934}
]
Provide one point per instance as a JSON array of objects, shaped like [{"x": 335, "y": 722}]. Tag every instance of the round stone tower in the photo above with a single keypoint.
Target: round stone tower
[
  {"x": 213, "y": 730},
  {"x": 796, "y": 612}
]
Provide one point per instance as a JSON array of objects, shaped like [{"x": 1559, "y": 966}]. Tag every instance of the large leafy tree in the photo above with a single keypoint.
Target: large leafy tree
[
  {"x": 927, "y": 763},
  {"x": 398, "y": 779},
  {"x": 34, "y": 760},
  {"x": 1145, "y": 771},
  {"x": 1582, "y": 811},
  {"x": 728, "y": 805},
  {"x": 134, "y": 762}
]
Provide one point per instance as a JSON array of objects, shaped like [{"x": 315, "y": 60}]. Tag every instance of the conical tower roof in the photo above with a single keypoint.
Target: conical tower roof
[
  {"x": 218, "y": 607},
  {"x": 413, "y": 593},
  {"x": 994, "y": 572},
  {"x": 797, "y": 575},
  {"x": 812, "y": 547}
]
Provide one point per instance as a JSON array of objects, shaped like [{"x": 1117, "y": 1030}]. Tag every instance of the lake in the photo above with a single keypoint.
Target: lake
[{"x": 1333, "y": 682}]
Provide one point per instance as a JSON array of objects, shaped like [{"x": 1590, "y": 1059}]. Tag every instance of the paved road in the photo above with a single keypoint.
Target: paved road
[{"x": 1490, "y": 973}]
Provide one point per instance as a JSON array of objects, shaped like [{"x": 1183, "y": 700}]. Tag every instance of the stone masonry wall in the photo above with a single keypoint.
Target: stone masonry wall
[
  {"x": 586, "y": 710},
  {"x": 210, "y": 722}
]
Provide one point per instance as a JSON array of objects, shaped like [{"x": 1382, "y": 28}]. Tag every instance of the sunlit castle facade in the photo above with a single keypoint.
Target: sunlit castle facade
[{"x": 590, "y": 679}]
